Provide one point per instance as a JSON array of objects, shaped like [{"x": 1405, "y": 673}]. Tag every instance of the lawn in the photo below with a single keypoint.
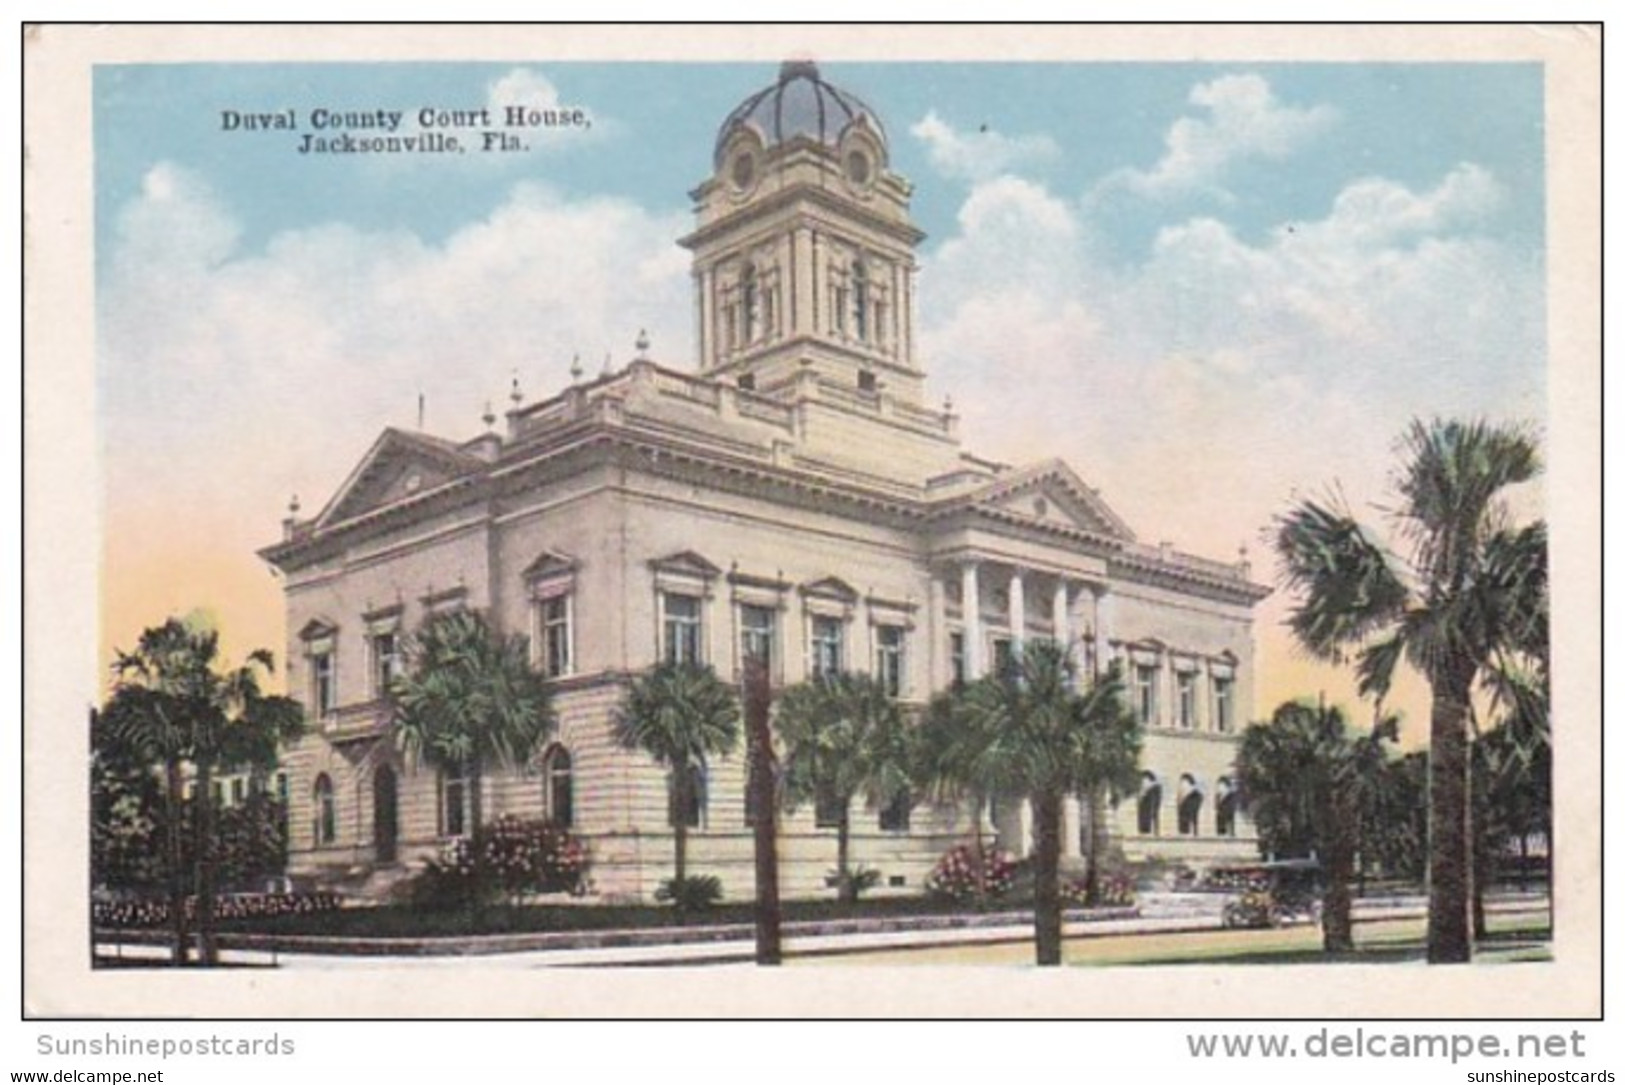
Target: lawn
[{"x": 1517, "y": 937}]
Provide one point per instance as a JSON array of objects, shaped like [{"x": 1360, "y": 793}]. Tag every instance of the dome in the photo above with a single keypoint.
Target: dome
[{"x": 800, "y": 103}]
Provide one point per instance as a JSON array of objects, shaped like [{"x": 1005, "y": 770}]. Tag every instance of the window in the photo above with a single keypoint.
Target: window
[
  {"x": 749, "y": 296},
  {"x": 1224, "y": 720},
  {"x": 860, "y": 300},
  {"x": 558, "y": 794},
  {"x": 326, "y": 825},
  {"x": 323, "y": 687},
  {"x": 1145, "y": 693},
  {"x": 827, "y": 635},
  {"x": 1190, "y": 805},
  {"x": 687, "y": 810},
  {"x": 894, "y": 815},
  {"x": 747, "y": 382},
  {"x": 757, "y": 625},
  {"x": 386, "y": 662},
  {"x": 889, "y": 659},
  {"x": 1150, "y": 805},
  {"x": 553, "y": 635},
  {"x": 956, "y": 658},
  {"x": 681, "y": 628},
  {"x": 1185, "y": 682},
  {"x": 828, "y": 808},
  {"x": 453, "y": 802},
  {"x": 1004, "y": 657},
  {"x": 239, "y": 790},
  {"x": 1225, "y": 810},
  {"x": 866, "y": 381}
]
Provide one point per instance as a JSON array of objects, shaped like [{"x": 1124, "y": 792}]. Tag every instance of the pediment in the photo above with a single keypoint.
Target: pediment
[
  {"x": 398, "y": 466},
  {"x": 550, "y": 563},
  {"x": 317, "y": 629},
  {"x": 1052, "y": 493},
  {"x": 686, "y": 563},
  {"x": 831, "y": 587}
]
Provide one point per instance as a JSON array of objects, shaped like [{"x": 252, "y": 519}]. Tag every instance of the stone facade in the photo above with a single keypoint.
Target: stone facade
[{"x": 795, "y": 493}]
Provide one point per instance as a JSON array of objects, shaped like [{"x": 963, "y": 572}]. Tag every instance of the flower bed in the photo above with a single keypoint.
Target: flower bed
[{"x": 150, "y": 912}]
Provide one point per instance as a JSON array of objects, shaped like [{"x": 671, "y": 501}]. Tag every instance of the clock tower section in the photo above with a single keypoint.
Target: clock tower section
[{"x": 804, "y": 251}]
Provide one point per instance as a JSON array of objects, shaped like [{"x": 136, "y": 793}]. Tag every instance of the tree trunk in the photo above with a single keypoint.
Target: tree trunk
[
  {"x": 1047, "y": 878},
  {"x": 1450, "y": 843},
  {"x": 203, "y": 854},
  {"x": 476, "y": 804},
  {"x": 1336, "y": 914},
  {"x": 1096, "y": 844},
  {"x": 174, "y": 841},
  {"x": 763, "y": 793},
  {"x": 846, "y": 892},
  {"x": 679, "y": 824},
  {"x": 977, "y": 853}
]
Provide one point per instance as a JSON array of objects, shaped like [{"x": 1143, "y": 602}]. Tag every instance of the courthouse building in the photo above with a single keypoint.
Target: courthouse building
[{"x": 795, "y": 495}]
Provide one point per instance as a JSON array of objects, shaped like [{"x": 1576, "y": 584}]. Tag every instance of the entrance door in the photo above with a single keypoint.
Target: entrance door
[{"x": 383, "y": 814}]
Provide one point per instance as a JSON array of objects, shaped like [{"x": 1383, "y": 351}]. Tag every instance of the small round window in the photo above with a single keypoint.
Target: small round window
[
  {"x": 858, "y": 168},
  {"x": 744, "y": 171}
]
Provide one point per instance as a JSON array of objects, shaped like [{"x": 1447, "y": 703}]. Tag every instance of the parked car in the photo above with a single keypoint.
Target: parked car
[{"x": 1273, "y": 894}]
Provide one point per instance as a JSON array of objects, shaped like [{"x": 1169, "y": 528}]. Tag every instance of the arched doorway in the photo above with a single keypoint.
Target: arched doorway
[{"x": 385, "y": 827}]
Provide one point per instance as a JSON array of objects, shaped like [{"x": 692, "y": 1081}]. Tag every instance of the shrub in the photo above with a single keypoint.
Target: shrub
[
  {"x": 690, "y": 894},
  {"x": 959, "y": 877},
  {"x": 863, "y": 879},
  {"x": 154, "y": 912},
  {"x": 1116, "y": 891},
  {"x": 508, "y": 858}
]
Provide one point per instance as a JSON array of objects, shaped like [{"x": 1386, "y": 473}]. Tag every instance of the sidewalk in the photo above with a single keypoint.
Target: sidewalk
[{"x": 734, "y": 944}]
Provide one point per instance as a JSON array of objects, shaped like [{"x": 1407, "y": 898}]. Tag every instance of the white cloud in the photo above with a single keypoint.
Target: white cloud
[
  {"x": 1241, "y": 119},
  {"x": 332, "y": 331},
  {"x": 979, "y": 155}
]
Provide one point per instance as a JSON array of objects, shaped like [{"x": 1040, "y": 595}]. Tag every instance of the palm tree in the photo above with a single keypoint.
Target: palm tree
[
  {"x": 1034, "y": 735},
  {"x": 945, "y": 749},
  {"x": 1462, "y": 598},
  {"x": 1307, "y": 785},
  {"x": 682, "y": 715},
  {"x": 844, "y": 737},
  {"x": 468, "y": 698},
  {"x": 172, "y": 708}
]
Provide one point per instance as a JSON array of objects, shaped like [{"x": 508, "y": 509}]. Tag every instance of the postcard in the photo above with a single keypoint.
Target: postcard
[{"x": 814, "y": 511}]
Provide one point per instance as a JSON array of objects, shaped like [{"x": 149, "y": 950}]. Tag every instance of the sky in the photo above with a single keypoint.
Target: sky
[{"x": 1212, "y": 288}]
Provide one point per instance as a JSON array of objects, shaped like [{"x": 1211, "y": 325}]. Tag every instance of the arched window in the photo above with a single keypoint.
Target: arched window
[
  {"x": 1190, "y": 805},
  {"x": 750, "y": 300},
  {"x": 558, "y": 789},
  {"x": 326, "y": 821},
  {"x": 1150, "y": 810},
  {"x": 860, "y": 300},
  {"x": 1225, "y": 811},
  {"x": 691, "y": 807}
]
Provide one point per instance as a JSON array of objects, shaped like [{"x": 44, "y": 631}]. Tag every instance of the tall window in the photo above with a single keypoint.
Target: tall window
[
  {"x": 894, "y": 815},
  {"x": 1145, "y": 693},
  {"x": 750, "y": 299},
  {"x": 689, "y": 808},
  {"x": 1185, "y": 683},
  {"x": 1224, "y": 719},
  {"x": 1004, "y": 657},
  {"x": 323, "y": 686},
  {"x": 326, "y": 826},
  {"x": 681, "y": 623},
  {"x": 386, "y": 662},
  {"x": 1190, "y": 805},
  {"x": 558, "y": 791},
  {"x": 453, "y": 802},
  {"x": 860, "y": 300},
  {"x": 1150, "y": 805},
  {"x": 553, "y": 654},
  {"x": 889, "y": 659},
  {"x": 827, "y": 634},
  {"x": 1225, "y": 810},
  {"x": 756, "y": 634}
]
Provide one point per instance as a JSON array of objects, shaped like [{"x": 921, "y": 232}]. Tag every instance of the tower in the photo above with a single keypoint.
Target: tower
[{"x": 804, "y": 251}]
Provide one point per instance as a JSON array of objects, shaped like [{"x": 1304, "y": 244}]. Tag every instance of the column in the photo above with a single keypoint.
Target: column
[
  {"x": 938, "y": 664},
  {"x": 1103, "y": 620},
  {"x": 970, "y": 605},
  {"x": 1071, "y": 828},
  {"x": 1060, "y": 615},
  {"x": 1018, "y": 612}
]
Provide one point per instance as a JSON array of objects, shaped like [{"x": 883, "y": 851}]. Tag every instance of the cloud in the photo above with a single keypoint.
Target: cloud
[
  {"x": 980, "y": 155},
  {"x": 276, "y": 368},
  {"x": 1241, "y": 119}
]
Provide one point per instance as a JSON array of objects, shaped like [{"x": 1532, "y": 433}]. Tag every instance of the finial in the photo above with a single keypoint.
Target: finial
[
  {"x": 575, "y": 369},
  {"x": 608, "y": 365},
  {"x": 293, "y": 505},
  {"x": 489, "y": 417},
  {"x": 515, "y": 396},
  {"x": 948, "y": 404},
  {"x": 643, "y": 345},
  {"x": 791, "y": 69}
]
